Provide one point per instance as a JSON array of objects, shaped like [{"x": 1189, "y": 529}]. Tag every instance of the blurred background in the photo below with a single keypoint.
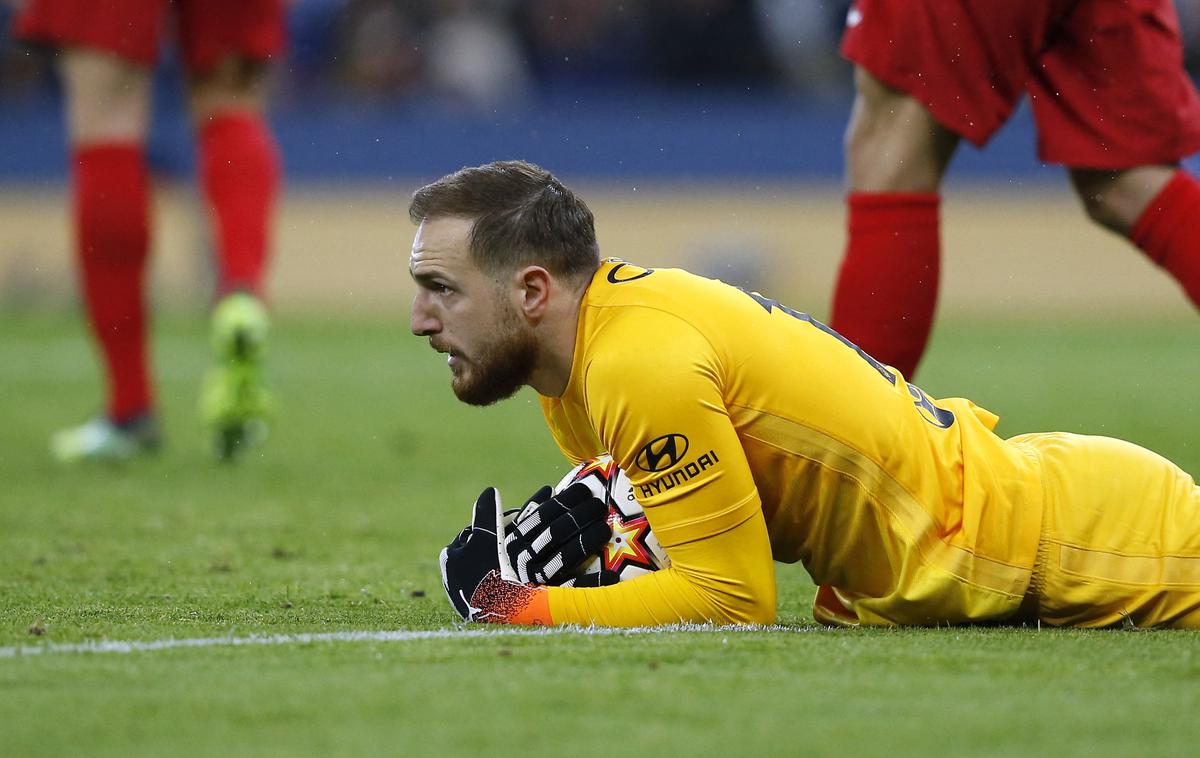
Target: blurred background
[{"x": 703, "y": 132}]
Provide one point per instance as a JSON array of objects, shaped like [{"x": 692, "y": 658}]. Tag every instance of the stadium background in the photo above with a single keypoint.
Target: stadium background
[{"x": 705, "y": 133}]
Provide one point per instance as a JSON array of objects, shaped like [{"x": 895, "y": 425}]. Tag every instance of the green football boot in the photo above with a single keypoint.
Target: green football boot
[
  {"x": 102, "y": 440},
  {"x": 234, "y": 403}
]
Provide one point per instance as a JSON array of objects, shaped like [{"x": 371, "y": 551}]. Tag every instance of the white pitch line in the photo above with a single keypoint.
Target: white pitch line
[{"x": 149, "y": 646}]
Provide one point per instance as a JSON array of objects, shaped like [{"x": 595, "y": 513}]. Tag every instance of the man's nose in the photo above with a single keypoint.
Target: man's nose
[{"x": 422, "y": 322}]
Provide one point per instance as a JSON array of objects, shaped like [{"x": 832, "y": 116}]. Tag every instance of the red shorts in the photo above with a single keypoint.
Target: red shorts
[
  {"x": 1105, "y": 77},
  {"x": 207, "y": 30}
]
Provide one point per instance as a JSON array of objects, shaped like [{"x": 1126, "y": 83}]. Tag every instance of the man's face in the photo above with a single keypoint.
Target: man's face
[{"x": 468, "y": 315}]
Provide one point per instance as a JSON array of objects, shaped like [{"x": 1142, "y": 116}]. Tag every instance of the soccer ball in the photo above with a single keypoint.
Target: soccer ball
[{"x": 633, "y": 550}]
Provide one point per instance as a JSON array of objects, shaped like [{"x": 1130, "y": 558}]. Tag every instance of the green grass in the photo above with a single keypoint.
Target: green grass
[{"x": 372, "y": 467}]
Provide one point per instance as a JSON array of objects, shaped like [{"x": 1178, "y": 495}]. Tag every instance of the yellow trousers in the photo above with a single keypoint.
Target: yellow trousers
[{"x": 1120, "y": 540}]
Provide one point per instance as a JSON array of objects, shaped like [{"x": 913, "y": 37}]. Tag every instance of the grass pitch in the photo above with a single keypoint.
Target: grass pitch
[{"x": 335, "y": 527}]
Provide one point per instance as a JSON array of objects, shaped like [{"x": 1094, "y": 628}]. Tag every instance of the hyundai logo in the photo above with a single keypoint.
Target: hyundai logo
[{"x": 662, "y": 453}]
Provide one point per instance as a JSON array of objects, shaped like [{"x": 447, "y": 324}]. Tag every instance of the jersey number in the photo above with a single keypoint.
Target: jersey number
[{"x": 939, "y": 417}]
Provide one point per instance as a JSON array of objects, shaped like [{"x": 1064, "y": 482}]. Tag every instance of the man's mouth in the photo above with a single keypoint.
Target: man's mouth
[{"x": 453, "y": 357}]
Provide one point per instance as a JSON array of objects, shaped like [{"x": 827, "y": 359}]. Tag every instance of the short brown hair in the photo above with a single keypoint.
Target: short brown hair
[{"x": 523, "y": 216}]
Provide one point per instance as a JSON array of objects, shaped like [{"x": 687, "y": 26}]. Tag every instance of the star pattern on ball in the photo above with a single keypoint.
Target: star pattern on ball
[
  {"x": 627, "y": 547},
  {"x": 604, "y": 466}
]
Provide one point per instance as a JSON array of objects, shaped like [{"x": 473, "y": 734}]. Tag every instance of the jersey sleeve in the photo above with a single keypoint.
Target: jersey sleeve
[
  {"x": 576, "y": 444},
  {"x": 657, "y": 406}
]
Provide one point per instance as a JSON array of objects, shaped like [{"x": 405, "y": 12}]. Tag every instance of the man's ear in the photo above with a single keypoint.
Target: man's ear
[{"x": 535, "y": 285}]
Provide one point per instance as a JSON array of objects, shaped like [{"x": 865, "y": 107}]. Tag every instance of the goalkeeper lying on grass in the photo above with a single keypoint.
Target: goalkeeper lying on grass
[{"x": 751, "y": 433}]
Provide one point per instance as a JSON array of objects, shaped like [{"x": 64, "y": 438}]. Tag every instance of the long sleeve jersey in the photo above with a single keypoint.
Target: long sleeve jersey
[{"x": 752, "y": 432}]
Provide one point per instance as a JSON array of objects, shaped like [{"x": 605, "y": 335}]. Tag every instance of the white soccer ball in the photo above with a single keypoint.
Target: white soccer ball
[{"x": 633, "y": 550}]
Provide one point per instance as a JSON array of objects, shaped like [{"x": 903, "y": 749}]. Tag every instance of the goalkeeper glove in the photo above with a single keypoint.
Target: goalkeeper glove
[
  {"x": 476, "y": 574},
  {"x": 477, "y": 571},
  {"x": 555, "y": 534},
  {"x": 600, "y": 578}
]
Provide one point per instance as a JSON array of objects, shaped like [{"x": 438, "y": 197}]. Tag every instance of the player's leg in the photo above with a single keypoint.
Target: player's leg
[
  {"x": 893, "y": 143},
  {"x": 1155, "y": 207},
  {"x": 1121, "y": 539},
  {"x": 1113, "y": 101},
  {"x": 239, "y": 168},
  {"x": 896, "y": 156},
  {"x": 107, "y": 53},
  {"x": 227, "y": 52},
  {"x": 239, "y": 175},
  {"x": 107, "y": 112},
  {"x": 928, "y": 72}
]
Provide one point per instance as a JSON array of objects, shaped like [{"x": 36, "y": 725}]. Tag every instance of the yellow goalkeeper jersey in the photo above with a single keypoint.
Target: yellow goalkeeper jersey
[{"x": 752, "y": 432}]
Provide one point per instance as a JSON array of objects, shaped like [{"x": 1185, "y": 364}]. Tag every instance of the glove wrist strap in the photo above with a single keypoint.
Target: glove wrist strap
[{"x": 505, "y": 602}]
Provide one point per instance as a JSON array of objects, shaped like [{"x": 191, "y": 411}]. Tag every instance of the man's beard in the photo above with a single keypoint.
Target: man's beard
[{"x": 499, "y": 369}]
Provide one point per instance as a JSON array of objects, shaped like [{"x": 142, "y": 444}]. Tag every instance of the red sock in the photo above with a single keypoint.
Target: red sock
[
  {"x": 1167, "y": 232},
  {"x": 887, "y": 289},
  {"x": 112, "y": 239},
  {"x": 239, "y": 172}
]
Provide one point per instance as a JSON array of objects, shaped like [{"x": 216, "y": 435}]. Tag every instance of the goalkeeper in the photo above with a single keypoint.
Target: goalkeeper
[{"x": 752, "y": 432}]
